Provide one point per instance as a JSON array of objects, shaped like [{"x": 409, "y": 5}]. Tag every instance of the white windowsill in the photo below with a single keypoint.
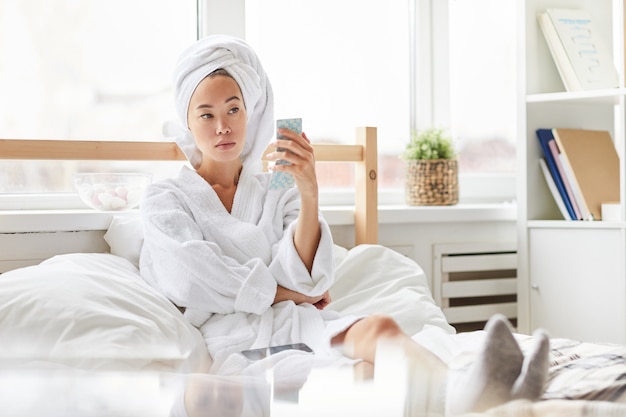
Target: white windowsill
[{"x": 28, "y": 221}]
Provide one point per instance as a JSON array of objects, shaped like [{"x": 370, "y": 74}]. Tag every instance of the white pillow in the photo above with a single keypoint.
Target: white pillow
[
  {"x": 375, "y": 279},
  {"x": 93, "y": 311},
  {"x": 125, "y": 238}
]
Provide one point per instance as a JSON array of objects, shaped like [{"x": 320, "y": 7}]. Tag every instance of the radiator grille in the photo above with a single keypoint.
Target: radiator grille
[{"x": 473, "y": 281}]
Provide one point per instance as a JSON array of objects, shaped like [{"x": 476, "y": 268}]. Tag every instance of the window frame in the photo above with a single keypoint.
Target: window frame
[{"x": 430, "y": 26}]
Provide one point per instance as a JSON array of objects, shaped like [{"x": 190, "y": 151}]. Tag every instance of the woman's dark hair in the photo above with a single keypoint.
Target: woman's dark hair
[{"x": 220, "y": 71}]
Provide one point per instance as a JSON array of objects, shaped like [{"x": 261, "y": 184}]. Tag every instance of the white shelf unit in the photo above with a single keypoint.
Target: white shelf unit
[{"x": 571, "y": 274}]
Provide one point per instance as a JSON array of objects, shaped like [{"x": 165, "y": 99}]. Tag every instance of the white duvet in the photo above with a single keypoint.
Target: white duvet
[{"x": 93, "y": 312}]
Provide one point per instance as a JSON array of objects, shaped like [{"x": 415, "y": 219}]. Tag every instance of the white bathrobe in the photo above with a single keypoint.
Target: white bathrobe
[{"x": 223, "y": 268}]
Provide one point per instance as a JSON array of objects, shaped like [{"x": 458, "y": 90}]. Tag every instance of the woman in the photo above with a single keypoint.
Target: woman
[{"x": 252, "y": 266}]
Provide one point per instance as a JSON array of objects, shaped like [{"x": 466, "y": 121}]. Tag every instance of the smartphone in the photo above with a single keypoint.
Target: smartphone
[
  {"x": 261, "y": 353},
  {"x": 281, "y": 180},
  {"x": 291, "y": 124}
]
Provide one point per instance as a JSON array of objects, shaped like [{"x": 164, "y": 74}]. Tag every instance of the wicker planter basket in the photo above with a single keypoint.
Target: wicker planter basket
[{"x": 432, "y": 182}]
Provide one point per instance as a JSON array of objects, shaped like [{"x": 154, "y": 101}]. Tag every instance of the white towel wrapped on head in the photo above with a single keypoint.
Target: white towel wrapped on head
[{"x": 241, "y": 62}]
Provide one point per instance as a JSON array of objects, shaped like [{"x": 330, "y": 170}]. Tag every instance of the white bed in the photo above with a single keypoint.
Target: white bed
[{"x": 83, "y": 334}]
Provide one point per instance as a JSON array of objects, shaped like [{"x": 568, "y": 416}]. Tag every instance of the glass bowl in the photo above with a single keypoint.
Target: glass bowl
[{"x": 111, "y": 191}]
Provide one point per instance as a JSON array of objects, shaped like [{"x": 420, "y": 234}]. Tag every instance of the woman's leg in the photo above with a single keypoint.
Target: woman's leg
[
  {"x": 500, "y": 374},
  {"x": 361, "y": 339},
  {"x": 426, "y": 373}
]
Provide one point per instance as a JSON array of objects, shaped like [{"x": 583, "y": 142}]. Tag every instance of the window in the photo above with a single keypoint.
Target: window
[
  {"x": 482, "y": 84},
  {"x": 86, "y": 69},
  {"x": 349, "y": 63},
  {"x": 474, "y": 92},
  {"x": 338, "y": 65},
  {"x": 91, "y": 69}
]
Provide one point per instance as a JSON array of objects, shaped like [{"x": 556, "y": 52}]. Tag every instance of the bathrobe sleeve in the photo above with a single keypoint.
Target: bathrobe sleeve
[
  {"x": 287, "y": 267},
  {"x": 194, "y": 272}
]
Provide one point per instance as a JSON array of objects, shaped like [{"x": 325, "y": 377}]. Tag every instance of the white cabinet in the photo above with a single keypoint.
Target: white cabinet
[
  {"x": 579, "y": 292},
  {"x": 571, "y": 274}
]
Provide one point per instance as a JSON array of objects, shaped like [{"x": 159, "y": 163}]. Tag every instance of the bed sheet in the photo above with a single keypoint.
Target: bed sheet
[{"x": 584, "y": 379}]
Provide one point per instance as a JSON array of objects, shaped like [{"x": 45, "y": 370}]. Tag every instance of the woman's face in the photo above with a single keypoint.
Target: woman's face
[{"x": 217, "y": 118}]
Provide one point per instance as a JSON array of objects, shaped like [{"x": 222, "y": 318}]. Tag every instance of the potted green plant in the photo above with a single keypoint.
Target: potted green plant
[{"x": 432, "y": 175}]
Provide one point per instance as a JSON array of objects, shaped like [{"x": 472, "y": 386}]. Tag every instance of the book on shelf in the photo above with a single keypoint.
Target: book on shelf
[
  {"x": 581, "y": 55},
  {"x": 590, "y": 161},
  {"x": 565, "y": 177},
  {"x": 553, "y": 189},
  {"x": 568, "y": 176},
  {"x": 545, "y": 136}
]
